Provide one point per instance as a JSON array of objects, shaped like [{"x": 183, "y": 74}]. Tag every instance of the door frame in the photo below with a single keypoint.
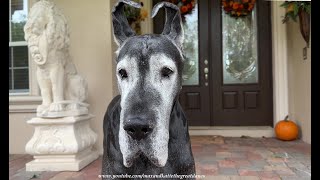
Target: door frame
[{"x": 280, "y": 63}]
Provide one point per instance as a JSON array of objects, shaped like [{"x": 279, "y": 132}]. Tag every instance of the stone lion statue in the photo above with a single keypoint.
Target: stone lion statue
[{"x": 62, "y": 88}]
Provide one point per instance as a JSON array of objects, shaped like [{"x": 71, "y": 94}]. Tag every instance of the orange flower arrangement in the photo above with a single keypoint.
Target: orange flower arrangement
[
  {"x": 238, "y": 8},
  {"x": 185, "y": 6}
]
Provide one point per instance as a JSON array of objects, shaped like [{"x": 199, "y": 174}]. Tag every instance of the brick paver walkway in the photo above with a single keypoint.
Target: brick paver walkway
[{"x": 216, "y": 157}]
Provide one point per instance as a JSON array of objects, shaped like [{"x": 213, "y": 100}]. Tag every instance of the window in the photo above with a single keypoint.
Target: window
[{"x": 18, "y": 49}]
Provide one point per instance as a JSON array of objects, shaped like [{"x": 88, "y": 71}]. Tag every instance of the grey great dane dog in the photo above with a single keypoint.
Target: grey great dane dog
[{"x": 145, "y": 128}]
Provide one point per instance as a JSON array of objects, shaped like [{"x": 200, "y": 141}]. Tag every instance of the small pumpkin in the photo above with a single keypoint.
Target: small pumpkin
[{"x": 286, "y": 130}]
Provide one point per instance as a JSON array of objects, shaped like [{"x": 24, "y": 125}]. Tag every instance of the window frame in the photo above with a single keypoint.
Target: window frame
[
  {"x": 18, "y": 44},
  {"x": 25, "y": 102},
  {"x": 12, "y": 68}
]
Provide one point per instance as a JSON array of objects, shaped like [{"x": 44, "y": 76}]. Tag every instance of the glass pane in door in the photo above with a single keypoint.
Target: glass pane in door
[
  {"x": 240, "y": 63},
  {"x": 189, "y": 14}
]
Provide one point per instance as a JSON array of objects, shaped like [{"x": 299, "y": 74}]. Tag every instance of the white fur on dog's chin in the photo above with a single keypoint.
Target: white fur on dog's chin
[
  {"x": 160, "y": 148},
  {"x": 128, "y": 152},
  {"x": 159, "y": 138}
]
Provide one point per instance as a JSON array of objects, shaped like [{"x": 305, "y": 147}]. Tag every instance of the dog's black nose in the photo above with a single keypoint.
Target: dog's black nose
[{"x": 137, "y": 128}]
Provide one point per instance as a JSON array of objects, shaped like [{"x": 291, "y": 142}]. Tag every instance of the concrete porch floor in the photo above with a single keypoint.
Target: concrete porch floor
[{"x": 216, "y": 157}]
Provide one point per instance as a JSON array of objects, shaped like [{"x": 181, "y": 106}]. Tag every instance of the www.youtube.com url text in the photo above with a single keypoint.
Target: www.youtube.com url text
[{"x": 163, "y": 176}]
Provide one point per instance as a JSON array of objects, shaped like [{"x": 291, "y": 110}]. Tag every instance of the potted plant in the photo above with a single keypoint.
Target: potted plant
[{"x": 301, "y": 9}]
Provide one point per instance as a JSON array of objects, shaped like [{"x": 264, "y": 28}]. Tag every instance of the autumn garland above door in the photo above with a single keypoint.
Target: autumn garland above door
[
  {"x": 238, "y": 8},
  {"x": 186, "y": 6}
]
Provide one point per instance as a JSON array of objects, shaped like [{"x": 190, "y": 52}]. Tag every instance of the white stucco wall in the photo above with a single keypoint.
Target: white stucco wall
[
  {"x": 19, "y": 132},
  {"x": 299, "y": 73},
  {"x": 91, "y": 48}
]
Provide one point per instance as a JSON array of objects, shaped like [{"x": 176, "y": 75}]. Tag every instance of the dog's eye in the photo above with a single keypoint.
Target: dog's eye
[
  {"x": 123, "y": 73},
  {"x": 166, "y": 72}
]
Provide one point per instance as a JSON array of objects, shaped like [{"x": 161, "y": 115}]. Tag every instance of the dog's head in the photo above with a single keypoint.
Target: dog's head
[{"x": 149, "y": 74}]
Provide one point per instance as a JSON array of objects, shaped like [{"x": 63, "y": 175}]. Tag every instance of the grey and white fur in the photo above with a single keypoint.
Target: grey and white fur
[{"x": 145, "y": 129}]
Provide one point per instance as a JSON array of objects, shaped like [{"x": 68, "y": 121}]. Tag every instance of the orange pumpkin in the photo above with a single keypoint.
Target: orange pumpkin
[{"x": 286, "y": 130}]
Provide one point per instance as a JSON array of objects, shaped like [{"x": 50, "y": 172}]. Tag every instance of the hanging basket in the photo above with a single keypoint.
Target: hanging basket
[
  {"x": 304, "y": 20},
  {"x": 238, "y": 8},
  {"x": 301, "y": 9}
]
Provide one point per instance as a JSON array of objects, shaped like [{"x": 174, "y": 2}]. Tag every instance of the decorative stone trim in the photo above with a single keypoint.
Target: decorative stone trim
[{"x": 24, "y": 104}]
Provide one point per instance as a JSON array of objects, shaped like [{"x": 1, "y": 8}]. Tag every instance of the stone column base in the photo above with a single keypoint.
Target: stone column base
[
  {"x": 62, "y": 162},
  {"x": 61, "y": 144}
]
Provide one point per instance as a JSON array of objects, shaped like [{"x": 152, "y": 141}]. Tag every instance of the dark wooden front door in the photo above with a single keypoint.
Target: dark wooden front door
[
  {"x": 241, "y": 98},
  {"x": 228, "y": 81}
]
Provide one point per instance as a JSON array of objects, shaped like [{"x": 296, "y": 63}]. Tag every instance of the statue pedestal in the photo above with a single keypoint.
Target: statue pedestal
[{"x": 61, "y": 144}]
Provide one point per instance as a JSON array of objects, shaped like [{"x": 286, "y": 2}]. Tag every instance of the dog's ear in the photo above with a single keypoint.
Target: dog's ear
[
  {"x": 121, "y": 27},
  {"x": 173, "y": 26}
]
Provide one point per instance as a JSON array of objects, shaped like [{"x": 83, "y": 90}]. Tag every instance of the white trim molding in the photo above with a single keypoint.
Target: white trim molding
[
  {"x": 232, "y": 131},
  {"x": 18, "y": 43},
  {"x": 279, "y": 61},
  {"x": 24, "y": 104}
]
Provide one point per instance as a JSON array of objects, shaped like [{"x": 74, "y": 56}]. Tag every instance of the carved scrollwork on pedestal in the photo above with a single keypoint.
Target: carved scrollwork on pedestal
[{"x": 61, "y": 136}]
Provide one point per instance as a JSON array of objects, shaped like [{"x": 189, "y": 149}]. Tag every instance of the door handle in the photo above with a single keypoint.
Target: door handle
[{"x": 206, "y": 71}]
